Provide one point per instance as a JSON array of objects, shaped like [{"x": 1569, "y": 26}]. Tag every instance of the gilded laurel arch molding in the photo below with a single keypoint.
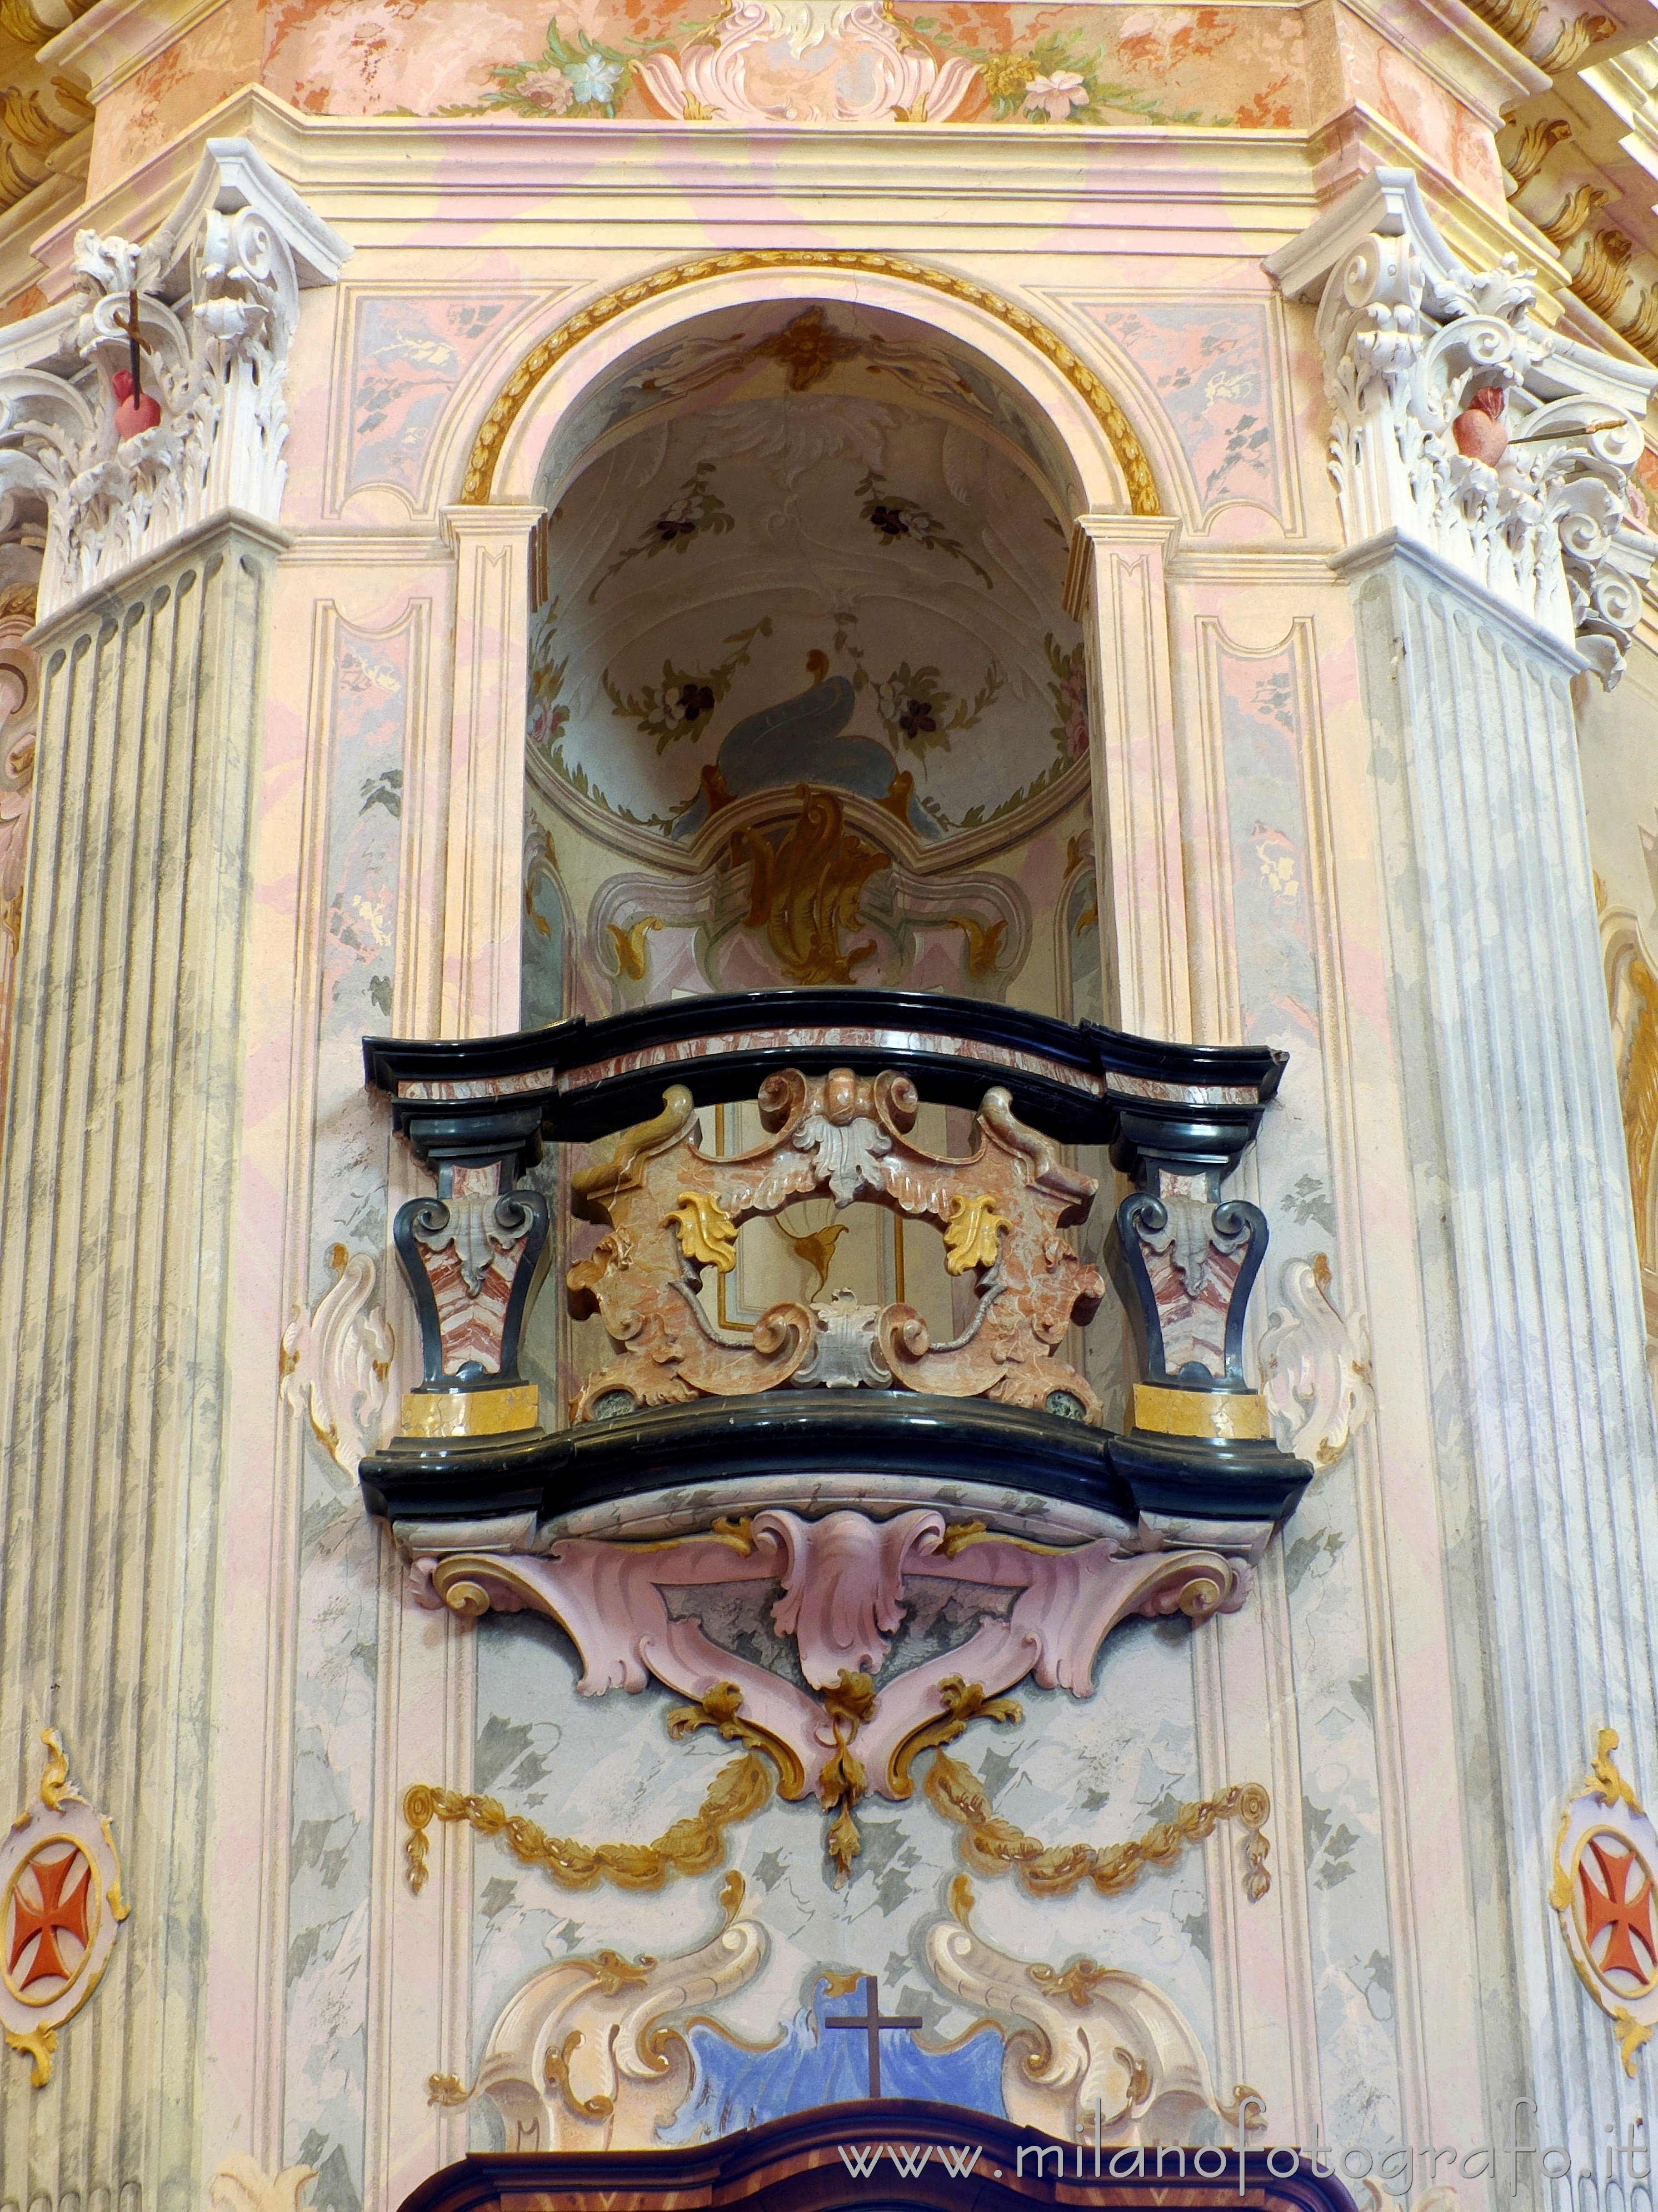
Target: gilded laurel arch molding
[{"x": 493, "y": 454}]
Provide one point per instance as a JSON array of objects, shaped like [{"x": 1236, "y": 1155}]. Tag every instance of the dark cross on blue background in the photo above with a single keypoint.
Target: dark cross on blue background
[{"x": 870, "y": 2023}]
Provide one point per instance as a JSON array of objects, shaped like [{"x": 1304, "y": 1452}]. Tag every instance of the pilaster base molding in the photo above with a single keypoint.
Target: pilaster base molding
[
  {"x": 125, "y": 465},
  {"x": 1463, "y": 423}
]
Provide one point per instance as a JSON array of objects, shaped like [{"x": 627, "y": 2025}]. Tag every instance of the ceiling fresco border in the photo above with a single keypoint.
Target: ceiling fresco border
[{"x": 477, "y": 488}]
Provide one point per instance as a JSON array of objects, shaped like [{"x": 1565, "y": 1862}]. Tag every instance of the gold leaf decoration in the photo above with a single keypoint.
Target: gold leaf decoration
[
  {"x": 1603, "y": 274},
  {"x": 707, "y": 1232},
  {"x": 614, "y": 1974},
  {"x": 995, "y": 1846},
  {"x": 1513, "y": 20},
  {"x": 1573, "y": 213},
  {"x": 629, "y": 944},
  {"x": 1537, "y": 142},
  {"x": 691, "y": 1846},
  {"x": 477, "y": 490},
  {"x": 555, "y": 2072},
  {"x": 972, "y": 1233},
  {"x": 1078, "y": 1982},
  {"x": 1573, "y": 42},
  {"x": 805, "y": 892},
  {"x": 963, "y": 1701},
  {"x": 54, "y": 1782},
  {"x": 721, "y": 1709},
  {"x": 984, "y": 941}
]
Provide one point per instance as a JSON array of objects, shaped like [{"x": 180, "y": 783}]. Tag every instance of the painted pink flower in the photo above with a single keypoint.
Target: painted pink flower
[
  {"x": 1056, "y": 94},
  {"x": 548, "y": 90}
]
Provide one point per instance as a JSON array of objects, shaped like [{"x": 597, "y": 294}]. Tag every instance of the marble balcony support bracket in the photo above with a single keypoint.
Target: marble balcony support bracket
[
  {"x": 207, "y": 308},
  {"x": 1462, "y": 425}
]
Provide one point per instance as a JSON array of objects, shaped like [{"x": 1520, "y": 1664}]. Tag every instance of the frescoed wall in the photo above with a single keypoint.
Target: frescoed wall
[{"x": 783, "y": 497}]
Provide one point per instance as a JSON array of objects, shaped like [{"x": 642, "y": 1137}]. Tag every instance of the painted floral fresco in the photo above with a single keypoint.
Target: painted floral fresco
[
  {"x": 408, "y": 354},
  {"x": 1213, "y": 375},
  {"x": 1023, "y": 65},
  {"x": 805, "y": 581}
]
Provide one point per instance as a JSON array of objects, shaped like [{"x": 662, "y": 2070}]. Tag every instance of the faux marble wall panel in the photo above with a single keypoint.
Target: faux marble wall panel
[
  {"x": 370, "y": 674},
  {"x": 126, "y": 1110},
  {"x": 408, "y": 353},
  {"x": 1215, "y": 366},
  {"x": 1264, "y": 704}
]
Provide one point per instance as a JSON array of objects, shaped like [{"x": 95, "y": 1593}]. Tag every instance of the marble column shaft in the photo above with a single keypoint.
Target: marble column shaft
[
  {"x": 118, "y": 1200},
  {"x": 1532, "y": 1305}
]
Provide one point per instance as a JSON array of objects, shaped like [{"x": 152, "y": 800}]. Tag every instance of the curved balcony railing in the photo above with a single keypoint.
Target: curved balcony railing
[{"x": 836, "y": 1079}]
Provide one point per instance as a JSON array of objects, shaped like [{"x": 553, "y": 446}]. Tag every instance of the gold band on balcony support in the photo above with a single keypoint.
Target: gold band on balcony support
[
  {"x": 1234, "y": 1416},
  {"x": 470, "y": 1413}
]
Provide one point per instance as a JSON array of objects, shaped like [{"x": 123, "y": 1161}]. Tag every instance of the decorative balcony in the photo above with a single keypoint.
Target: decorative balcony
[{"x": 831, "y": 1385}]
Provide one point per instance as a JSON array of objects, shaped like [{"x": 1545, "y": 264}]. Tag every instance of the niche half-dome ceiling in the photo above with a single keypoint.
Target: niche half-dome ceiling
[{"x": 799, "y": 618}]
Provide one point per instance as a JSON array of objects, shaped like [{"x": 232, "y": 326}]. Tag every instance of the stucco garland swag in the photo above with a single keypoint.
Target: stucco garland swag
[
  {"x": 992, "y": 1846},
  {"x": 478, "y": 487},
  {"x": 691, "y": 1846}
]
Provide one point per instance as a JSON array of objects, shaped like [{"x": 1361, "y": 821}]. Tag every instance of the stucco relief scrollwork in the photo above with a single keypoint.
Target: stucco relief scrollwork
[
  {"x": 1315, "y": 1366},
  {"x": 590, "y": 2053},
  {"x": 1463, "y": 423},
  {"x": 336, "y": 1362},
  {"x": 792, "y": 61},
  {"x": 208, "y": 309},
  {"x": 1090, "y": 2037},
  {"x": 853, "y": 1730}
]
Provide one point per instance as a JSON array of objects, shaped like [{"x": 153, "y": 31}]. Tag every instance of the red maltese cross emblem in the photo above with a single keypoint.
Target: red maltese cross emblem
[
  {"x": 1615, "y": 1895},
  {"x": 50, "y": 1902},
  {"x": 60, "y": 1907},
  {"x": 1604, "y": 1862}
]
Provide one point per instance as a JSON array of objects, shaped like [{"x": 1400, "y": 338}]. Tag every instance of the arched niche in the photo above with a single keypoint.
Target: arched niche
[{"x": 805, "y": 703}]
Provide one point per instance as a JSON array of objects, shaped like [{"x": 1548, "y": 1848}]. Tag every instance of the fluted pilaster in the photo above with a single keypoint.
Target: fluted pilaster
[{"x": 118, "y": 1200}]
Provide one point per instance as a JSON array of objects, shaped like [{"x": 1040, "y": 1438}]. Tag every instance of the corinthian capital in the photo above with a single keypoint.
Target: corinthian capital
[
  {"x": 212, "y": 301},
  {"x": 1464, "y": 424}
]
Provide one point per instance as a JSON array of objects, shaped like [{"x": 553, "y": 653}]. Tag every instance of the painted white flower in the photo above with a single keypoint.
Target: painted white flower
[
  {"x": 594, "y": 80},
  {"x": 1056, "y": 94}
]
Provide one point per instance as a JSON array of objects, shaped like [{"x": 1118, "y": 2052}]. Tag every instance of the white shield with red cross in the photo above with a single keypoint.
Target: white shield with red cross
[
  {"x": 1605, "y": 1862},
  {"x": 60, "y": 1906}
]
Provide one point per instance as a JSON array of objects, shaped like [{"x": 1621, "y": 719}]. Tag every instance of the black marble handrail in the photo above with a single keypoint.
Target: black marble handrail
[{"x": 1082, "y": 1083}]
